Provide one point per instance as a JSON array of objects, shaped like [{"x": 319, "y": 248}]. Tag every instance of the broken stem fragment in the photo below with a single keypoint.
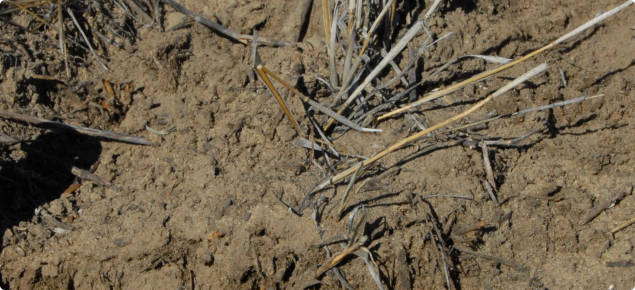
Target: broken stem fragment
[
  {"x": 351, "y": 170},
  {"x": 242, "y": 38},
  {"x": 317, "y": 105},
  {"x": 52, "y": 125},
  {"x": 506, "y": 66},
  {"x": 281, "y": 102}
]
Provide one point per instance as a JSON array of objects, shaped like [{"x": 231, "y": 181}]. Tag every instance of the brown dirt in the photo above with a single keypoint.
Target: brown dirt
[{"x": 199, "y": 211}]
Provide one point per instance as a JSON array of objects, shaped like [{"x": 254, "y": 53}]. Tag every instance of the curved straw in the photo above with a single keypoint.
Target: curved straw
[
  {"x": 418, "y": 26},
  {"x": 281, "y": 101},
  {"x": 506, "y": 66},
  {"x": 317, "y": 105},
  {"x": 423, "y": 133}
]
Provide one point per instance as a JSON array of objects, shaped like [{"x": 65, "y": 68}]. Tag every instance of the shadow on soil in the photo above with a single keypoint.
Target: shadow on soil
[{"x": 40, "y": 177}]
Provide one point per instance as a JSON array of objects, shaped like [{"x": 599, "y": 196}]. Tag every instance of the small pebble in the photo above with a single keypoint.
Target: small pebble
[{"x": 122, "y": 241}]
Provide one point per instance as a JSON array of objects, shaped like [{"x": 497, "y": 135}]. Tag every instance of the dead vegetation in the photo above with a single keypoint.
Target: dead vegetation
[{"x": 365, "y": 90}]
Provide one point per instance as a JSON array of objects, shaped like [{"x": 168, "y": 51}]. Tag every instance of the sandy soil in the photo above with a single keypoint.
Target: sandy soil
[{"x": 207, "y": 207}]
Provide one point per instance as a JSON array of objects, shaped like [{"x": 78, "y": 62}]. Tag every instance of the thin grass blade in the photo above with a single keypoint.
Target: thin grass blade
[
  {"x": 379, "y": 155},
  {"x": 391, "y": 54},
  {"x": 348, "y": 189},
  {"x": 367, "y": 257}
]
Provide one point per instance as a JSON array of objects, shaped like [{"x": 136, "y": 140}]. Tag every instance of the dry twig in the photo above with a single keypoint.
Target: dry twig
[
  {"x": 6, "y": 139},
  {"x": 70, "y": 12},
  {"x": 509, "y": 263},
  {"x": 506, "y": 66},
  {"x": 595, "y": 211},
  {"x": 623, "y": 226},
  {"x": 280, "y": 100},
  {"x": 314, "y": 104},
  {"x": 242, "y": 38},
  {"x": 52, "y": 125},
  {"x": 424, "y": 133}
]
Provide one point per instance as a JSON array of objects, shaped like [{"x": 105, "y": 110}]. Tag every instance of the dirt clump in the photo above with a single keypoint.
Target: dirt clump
[{"x": 216, "y": 205}]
